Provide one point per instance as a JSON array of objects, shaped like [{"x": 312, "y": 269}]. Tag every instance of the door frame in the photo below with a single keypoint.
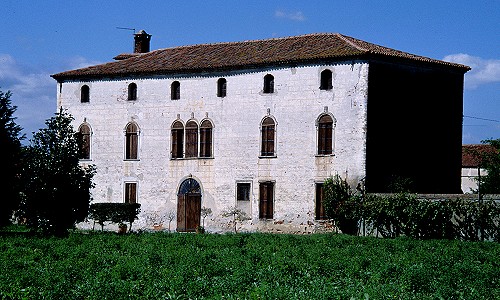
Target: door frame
[{"x": 189, "y": 197}]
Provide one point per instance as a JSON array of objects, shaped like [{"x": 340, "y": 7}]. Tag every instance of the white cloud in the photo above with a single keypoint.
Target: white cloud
[
  {"x": 33, "y": 92},
  {"x": 294, "y": 16},
  {"x": 78, "y": 62},
  {"x": 483, "y": 71}
]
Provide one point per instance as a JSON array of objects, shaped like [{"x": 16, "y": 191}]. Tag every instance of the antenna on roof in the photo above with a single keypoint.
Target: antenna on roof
[{"x": 126, "y": 28}]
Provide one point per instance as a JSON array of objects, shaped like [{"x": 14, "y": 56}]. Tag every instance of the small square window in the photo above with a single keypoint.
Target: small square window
[{"x": 243, "y": 191}]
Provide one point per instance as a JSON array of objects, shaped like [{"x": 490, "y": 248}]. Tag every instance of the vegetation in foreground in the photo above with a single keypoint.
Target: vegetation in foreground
[{"x": 104, "y": 265}]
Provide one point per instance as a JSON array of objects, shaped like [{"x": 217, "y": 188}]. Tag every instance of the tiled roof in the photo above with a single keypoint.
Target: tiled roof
[
  {"x": 247, "y": 54},
  {"x": 471, "y": 154}
]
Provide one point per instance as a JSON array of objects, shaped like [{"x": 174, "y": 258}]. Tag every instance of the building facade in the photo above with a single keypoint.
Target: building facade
[{"x": 259, "y": 125}]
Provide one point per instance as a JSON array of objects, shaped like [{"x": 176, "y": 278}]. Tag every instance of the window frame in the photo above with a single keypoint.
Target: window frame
[
  {"x": 319, "y": 195},
  {"x": 85, "y": 94},
  {"x": 249, "y": 192},
  {"x": 175, "y": 90},
  {"x": 268, "y": 138},
  {"x": 132, "y": 91},
  {"x": 206, "y": 139},
  {"x": 84, "y": 142},
  {"x": 191, "y": 139},
  {"x": 221, "y": 87},
  {"x": 132, "y": 142},
  {"x": 268, "y": 84},
  {"x": 326, "y": 80},
  {"x": 130, "y": 192},
  {"x": 266, "y": 199},
  {"x": 177, "y": 140},
  {"x": 325, "y": 135}
]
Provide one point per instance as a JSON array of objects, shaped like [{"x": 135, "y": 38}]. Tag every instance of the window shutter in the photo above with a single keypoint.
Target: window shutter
[
  {"x": 266, "y": 200},
  {"x": 191, "y": 139},
  {"x": 325, "y": 134},
  {"x": 267, "y": 146},
  {"x": 130, "y": 192},
  {"x": 131, "y": 142},
  {"x": 134, "y": 139},
  {"x": 270, "y": 140},
  {"x": 177, "y": 139},
  {"x": 320, "y": 211},
  {"x": 206, "y": 139}
]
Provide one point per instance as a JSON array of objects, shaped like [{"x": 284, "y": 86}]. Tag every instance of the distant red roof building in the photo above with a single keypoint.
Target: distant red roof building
[{"x": 471, "y": 154}]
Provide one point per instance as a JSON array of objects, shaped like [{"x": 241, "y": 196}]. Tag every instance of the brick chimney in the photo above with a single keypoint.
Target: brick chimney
[{"x": 141, "y": 42}]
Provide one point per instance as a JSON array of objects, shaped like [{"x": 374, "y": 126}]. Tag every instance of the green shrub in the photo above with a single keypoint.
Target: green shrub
[
  {"x": 474, "y": 220},
  {"x": 114, "y": 212},
  {"x": 394, "y": 215},
  {"x": 342, "y": 205},
  {"x": 389, "y": 214}
]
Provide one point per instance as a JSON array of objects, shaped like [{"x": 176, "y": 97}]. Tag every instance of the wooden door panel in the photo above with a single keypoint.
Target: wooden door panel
[{"x": 181, "y": 213}]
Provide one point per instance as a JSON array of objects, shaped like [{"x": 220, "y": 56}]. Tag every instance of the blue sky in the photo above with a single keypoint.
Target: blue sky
[{"x": 39, "y": 38}]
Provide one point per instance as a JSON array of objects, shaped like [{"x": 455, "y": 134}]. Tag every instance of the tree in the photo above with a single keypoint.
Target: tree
[
  {"x": 56, "y": 192},
  {"x": 237, "y": 214},
  {"x": 10, "y": 152},
  {"x": 490, "y": 160},
  {"x": 341, "y": 204},
  {"x": 205, "y": 212}
]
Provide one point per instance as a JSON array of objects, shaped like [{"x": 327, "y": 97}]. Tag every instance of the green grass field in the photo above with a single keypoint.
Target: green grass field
[{"x": 95, "y": 265}]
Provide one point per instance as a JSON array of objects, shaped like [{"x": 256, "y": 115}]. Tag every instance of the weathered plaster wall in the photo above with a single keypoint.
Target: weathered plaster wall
[{"x": 295, "y": 105}]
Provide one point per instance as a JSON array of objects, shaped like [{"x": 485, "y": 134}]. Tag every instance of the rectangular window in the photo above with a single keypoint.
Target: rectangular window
[
  {"x": 266, "y": 200},
  {"x": 320, "y": 211},
  {"x": 243, "y": 191},
  {"x": 130, "y": 192}
]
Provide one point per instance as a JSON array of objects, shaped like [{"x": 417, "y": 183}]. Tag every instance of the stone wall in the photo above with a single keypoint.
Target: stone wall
[{"x": 295, "y": 106}]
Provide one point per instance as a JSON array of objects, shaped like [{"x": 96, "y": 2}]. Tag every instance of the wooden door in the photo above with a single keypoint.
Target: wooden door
[
  {"x": 188, "y": 206},
  {"x": 266, "y": 200}
]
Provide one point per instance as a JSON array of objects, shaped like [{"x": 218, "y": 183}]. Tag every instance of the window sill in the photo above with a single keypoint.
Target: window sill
[
  {"x": 325, "y": 155},
  {"x": 135, "y": 159},
  {"x": 274, "y": 156},
  {"x": 192, "y": 158}
]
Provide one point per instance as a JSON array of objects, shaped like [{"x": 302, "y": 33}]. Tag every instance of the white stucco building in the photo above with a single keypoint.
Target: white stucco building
[{"x": 259, "y": 125}]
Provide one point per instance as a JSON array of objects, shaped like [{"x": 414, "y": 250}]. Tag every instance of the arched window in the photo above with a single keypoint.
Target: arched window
[
  {"x": 175, "y": 90},
  {"x": 206, "y": 139},
  {"x": 177, "y": 139},
  {"x": 85, "y": 94},
  {"x": 326, "y": 80},
  {"x": 191, "y": 139},
  {"x": 267, "y": 146},
  {"x": 221, "y": 87},
  {"x": 132, "y": 91},
  {"x": 83, "y": 138},
  {"x": 131, "y": 141},
  {"x": 268, "y": 84},
  {"x": 325, "y": 135}
]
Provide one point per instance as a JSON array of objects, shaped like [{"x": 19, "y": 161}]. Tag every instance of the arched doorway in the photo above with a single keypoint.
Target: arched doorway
[{"x": 188, "y": 205}]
